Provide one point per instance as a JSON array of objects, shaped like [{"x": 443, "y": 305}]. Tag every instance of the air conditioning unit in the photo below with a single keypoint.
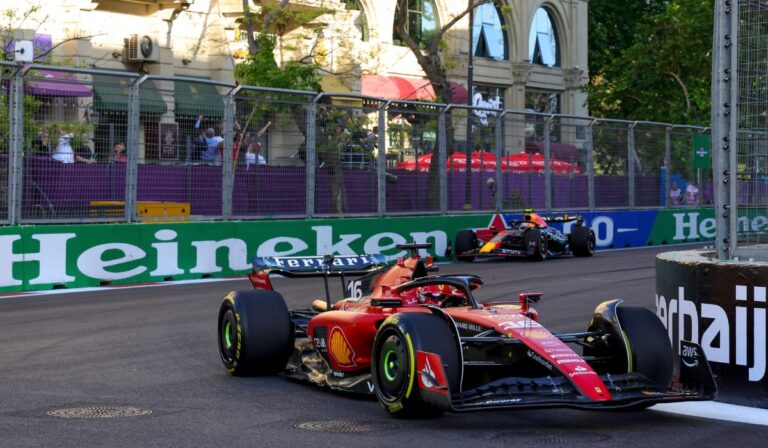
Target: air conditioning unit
[{"x": 140, "y": 48}]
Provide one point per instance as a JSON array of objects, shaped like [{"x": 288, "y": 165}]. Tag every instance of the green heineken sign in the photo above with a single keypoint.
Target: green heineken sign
[{"x": 702, "y": 152}]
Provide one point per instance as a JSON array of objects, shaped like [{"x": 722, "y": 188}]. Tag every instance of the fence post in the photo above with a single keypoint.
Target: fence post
[
  {"x": 227, "y": 162},
  {"x": 311, "y": 154},
  {"x": 724, "y": 126},
  {"x": 132, "y": 142},
  {"x": 381, "y": 158},
  {"x": 16, "y": 160},
  {"x": 499, "y": 144},
  {"x": 441, "y": 157},
  {"x": 590, "y": 143},
  {"x": 631, "y": 164},
  {"x": 667, "y": 163},
  {"x": 547, "y": 162}
]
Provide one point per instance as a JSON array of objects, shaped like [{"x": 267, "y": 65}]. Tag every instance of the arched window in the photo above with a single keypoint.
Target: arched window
[
  {"x": 361, "y": 23},
  {"x": 420, "y": 20},
  {"x": 488, "y": 35},
  {"x": 543, "y": 46}
]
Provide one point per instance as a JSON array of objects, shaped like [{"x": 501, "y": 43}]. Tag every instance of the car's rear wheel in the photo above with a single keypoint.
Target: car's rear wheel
[
  {"x": 582, "y": 241},
  {"x": 535, "y": 244},
  {"x": 401, "y": 387},
  {"x": 465, "y": 241},
  {"x": 255, "y": 332}
]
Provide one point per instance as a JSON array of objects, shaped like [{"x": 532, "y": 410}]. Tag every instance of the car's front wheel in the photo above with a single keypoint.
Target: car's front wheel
[
  {"x": 415, "y": 365},
  {"x": 582, "y": 241},
  {"x": 535, "y": 244},
  {"x": 465, "y": 241}
]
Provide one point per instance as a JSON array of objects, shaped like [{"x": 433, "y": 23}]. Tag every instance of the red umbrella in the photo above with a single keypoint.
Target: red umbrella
[
  {"x": 534, "y": 163},
  {"x": 486, "y": 161}
]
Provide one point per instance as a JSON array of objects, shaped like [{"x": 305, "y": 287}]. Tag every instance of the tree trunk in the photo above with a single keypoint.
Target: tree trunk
[{"x": 248, "y": 18}]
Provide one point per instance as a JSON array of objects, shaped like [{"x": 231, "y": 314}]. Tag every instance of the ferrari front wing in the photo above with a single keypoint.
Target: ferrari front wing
[{"x": 694, "y": 382}]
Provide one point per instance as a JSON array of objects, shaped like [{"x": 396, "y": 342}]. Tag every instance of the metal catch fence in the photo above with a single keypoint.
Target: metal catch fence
[
  {"x": 740, "y": 128},
  {"x": 83, "y": 145}
]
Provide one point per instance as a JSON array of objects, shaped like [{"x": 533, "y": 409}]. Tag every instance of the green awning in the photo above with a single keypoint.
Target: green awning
[
  {"x": 196, "y": 98},
  {"x": 110, "y": 93}
]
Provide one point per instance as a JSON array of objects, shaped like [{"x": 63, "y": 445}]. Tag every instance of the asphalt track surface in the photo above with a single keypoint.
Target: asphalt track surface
[{"x": 154, "y": 348}]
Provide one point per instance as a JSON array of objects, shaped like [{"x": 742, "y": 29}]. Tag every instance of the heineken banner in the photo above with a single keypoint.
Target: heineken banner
[
  {"x": 44, "y": 257},
  {"x": 620, "y": 229}
]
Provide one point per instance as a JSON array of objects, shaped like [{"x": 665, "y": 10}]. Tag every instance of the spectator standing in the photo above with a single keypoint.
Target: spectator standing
[
  {"x": 212, "y": 143},
  {"x": 118, "y": 153},
  {"x": 675, "y": 195},
  {"x": 41, "y": 143},
  {"x": 64, "y": 152},
  {"x": 253, "y": 156},
  {"x": 84, "y": 152},
  {"x": 691, "y": 195}
]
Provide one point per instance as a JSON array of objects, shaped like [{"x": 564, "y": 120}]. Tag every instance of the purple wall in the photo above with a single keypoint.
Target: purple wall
[{"x": 68, "y": 189}]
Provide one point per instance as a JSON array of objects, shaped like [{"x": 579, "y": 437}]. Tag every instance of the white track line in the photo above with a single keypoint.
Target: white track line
[
  {"x": 717, "y": 411},
  {"x": 47, "y": 292}
]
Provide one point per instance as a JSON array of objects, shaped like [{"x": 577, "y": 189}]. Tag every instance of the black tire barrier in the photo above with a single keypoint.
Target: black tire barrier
[{"x": 722, "y": 306}]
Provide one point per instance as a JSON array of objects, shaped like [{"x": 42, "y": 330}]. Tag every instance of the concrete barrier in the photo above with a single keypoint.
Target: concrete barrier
[{"x": 722, "y": 306}]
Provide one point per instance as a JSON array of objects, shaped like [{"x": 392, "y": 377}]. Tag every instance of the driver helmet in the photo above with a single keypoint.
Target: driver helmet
[{"x": 433, "y": 294}]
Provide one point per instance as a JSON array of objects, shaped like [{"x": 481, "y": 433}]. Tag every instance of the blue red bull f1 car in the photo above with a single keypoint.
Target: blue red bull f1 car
[{"x": 531, "y": 237}]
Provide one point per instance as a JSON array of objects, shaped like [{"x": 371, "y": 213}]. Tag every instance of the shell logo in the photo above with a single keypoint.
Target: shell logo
[
  {"x": 536, "y": 334},
  {"x": 340, "y": 349}
]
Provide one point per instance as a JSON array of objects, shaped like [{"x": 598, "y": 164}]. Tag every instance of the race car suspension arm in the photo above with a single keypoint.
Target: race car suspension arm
[{"x": 565, "y": 337}]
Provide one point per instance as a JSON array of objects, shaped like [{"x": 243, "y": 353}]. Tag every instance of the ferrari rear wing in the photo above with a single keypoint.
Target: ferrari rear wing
[{"x": 325, "y": 266}]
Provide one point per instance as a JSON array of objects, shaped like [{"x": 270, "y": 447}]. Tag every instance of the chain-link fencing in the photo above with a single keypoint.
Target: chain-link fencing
[
  {"x": 83, "y": 145},
  {"x": 752, "y": 157},
  {"x": 5, "y": 149},
  {"x": 740, "y": 128}
]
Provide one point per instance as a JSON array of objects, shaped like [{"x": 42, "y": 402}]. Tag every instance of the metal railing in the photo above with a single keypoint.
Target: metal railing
[
  {"x": 82, "y": 145},
  {"x": 740, "y": 128}
]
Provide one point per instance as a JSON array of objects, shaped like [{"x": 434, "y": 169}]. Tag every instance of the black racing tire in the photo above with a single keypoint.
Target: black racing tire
[
  {"x": 535, "y": 243},
  {"x": 649, "y": 346},
  {"x": 465, "y": 240},
  {"x": 255, "y": 333},
  {"x": 392, "y": 363},
  {"x": 582, "y": 241}
]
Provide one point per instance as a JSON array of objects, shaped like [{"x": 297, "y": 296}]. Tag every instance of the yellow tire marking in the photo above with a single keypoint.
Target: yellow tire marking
[
  {"x": 629, "y": 352},
  {"x": 413, "y": 365}
]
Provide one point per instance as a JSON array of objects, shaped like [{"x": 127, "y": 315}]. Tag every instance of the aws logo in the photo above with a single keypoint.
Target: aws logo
[{"x": 340, "y": 349}]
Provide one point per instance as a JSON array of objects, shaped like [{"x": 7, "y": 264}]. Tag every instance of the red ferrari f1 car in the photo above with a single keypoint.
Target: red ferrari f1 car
[
  {"x": 424, "y": 345},
  {"x": 532, "y": 237}
]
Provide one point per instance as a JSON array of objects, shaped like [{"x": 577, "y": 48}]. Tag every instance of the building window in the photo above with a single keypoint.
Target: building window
[
  {"x": 545, "y": 102},
  {"x": 543, "y": 46},
  {"x": 485, "y": 121},
  {"x": 488, "y": 35},
  {"x": 420, "y": 21}
]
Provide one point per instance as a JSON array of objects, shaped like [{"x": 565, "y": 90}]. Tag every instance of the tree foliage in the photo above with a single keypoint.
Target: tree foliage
[
  {"x": 651, "y": 60},
  {"x": 261, "y": 69}
]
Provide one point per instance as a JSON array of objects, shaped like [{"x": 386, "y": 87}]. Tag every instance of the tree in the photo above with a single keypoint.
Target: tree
[
  {"x": 429, "y": 53},
  {"x": 261, "y": 69},
  {"x": 663, "y": 71},
  {"x": 614, "y": 27}
]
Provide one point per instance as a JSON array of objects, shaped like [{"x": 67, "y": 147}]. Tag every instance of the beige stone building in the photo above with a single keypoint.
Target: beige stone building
[
  {"x": 531, "y": 55},
  {"x": 203, "y": 37}
]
